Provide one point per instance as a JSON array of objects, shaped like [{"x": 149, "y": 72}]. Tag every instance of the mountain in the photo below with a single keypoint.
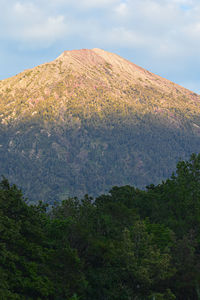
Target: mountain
[{"x": 90, "y": 120}]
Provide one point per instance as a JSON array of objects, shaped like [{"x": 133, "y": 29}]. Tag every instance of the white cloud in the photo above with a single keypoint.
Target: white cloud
[
  {"x": 125, "y": 38},
  {"x": 24, "y": 9},
  {"x": 193, "y": 31},
  {"x": 83, "y": 4},
  {"x": 29, "y": 25},
  {"x": 98, "y": 3},
  {"x": 163, "y": 30},
  {"x": 134, "y": 21},
  {"x": 122, "y": 9},
  {"x": 47, "y": 32}
]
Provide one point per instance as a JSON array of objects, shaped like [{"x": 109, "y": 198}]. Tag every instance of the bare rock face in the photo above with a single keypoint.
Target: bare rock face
[{"x": 89, "y": 120}]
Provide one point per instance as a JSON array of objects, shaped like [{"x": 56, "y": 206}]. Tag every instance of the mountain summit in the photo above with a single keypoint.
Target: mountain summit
[{"x": 89, "y": 120}]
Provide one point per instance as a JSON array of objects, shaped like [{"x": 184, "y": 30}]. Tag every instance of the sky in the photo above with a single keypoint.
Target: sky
[{"x": 162, "y": 36}]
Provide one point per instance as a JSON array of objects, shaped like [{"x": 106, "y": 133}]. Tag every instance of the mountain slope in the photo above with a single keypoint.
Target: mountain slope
[{"x": 90, "y": 120}]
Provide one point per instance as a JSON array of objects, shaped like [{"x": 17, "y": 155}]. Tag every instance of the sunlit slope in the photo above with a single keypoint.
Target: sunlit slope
[
  {"x": 89, "y": 120},
  {"x": 87, "y": 82}
]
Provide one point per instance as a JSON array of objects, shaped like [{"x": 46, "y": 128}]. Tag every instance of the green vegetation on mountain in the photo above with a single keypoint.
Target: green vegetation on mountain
[
  {"x": 90, "y": 120},
  {"x": 129, "y": 244}
]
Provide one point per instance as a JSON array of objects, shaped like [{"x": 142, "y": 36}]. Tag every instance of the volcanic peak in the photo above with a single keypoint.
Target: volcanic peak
[
  {"x": 83, "y": 56},
  {"x": 89, "y": 82},
  {"x": 126, "y": 70},
  {"x": 90, "y": 120}
]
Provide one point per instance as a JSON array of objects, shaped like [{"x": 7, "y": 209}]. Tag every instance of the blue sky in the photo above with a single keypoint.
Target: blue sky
[{"x": 162, "y": 36}]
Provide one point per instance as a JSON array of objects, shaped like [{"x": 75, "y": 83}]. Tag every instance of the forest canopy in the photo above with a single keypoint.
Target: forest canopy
[{"x": 128, "y": 244}]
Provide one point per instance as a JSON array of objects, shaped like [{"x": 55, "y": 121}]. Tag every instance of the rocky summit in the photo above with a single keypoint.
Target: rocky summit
[{"x": 90, "y": 120}]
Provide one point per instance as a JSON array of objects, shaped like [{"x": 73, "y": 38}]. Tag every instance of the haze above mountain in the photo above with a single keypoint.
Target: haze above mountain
[{"x": 90, "y": 120}]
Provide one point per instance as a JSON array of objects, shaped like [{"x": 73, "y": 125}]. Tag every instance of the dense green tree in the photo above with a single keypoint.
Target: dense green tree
[{"x": 129, "y": 244}]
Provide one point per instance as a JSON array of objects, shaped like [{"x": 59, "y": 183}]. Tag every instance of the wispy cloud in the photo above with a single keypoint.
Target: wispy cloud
[
  {"x": 162, "y": 34},
  {"x": 30, "y": 26}
]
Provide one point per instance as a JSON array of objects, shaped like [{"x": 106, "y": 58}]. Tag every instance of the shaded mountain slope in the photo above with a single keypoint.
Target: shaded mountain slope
[{"x": 90, "y": 120}]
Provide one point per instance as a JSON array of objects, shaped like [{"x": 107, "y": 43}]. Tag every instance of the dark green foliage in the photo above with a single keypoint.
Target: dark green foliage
[
  {"x": 127, "y": 245},
  {"x": 28, "y": 257}
]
